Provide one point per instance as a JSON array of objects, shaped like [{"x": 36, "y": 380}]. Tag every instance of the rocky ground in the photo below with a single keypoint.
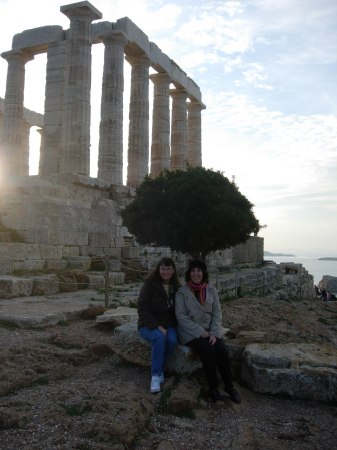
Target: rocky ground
[{"x": 63, "y": 387}]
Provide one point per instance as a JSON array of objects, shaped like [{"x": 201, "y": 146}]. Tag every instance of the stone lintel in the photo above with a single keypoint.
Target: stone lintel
[
  {"x": 83, "y": 8},
  {"x": 37, "y": 39}
]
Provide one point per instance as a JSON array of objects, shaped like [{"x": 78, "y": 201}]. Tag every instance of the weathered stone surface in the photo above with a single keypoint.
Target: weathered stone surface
[
  {"x": 45, "y": 285},
  {"x": 40, "y": 311},
  {"x": 297, "y": 370},
  {"x": 328, "y": 283},
  {"x": 118, "y": 316},
  {"x": 38, "y": 37},
  {"x": 130, "y": 346},
  {"x": 11, "y": 287}
]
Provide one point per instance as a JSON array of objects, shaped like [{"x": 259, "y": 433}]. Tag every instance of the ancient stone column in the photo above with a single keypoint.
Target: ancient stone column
[
  {"x": 51, "y": 149},
  {"x": 160, "y": 147},
  {"x": 179, "y": 129},
  {"x": 194, "y": 109},
  {"x": 24, "y": 154},
  {"x": 11, "y": 160},
  {"x": 138, "y": 152},
  {"x": 76, "y": 121},
  {"x": 110, "y": 156}
]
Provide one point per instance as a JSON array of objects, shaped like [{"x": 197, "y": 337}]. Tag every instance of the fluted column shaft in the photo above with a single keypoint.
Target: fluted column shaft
[
  {"x": 24, "y": 154},
  {"x": 194, "y": 157},
  {"x": 11, "y": 158},
  {"x": 110, "y": 156},
  {"x": 51, "y": 149},
  {"x": 160, "y": 146},
  {"x": 76, "y": 122},
  {"x": 179, "y": 130},
  {"x": 138, "y": 152}
]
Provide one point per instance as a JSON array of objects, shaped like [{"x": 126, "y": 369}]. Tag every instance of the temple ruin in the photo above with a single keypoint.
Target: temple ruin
[{"x": 63, "y": 214}]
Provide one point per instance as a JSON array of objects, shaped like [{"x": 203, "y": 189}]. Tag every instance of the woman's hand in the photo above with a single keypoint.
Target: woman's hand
[
  {"x": 212, "y": 340},
  {"x": 162, "y": 329},
  {"x": 204, "y": 334}
]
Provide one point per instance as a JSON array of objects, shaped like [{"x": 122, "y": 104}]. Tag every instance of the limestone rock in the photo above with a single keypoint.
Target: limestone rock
[
  {"x": 297, "y": 370},
  {"x": 11, "y": 287},
  {"x": 45, "y": 285},
  {"x": 118, "y": 316},
  {"x": 328, "y": 283},
  {"x": 130, "y": 346}
]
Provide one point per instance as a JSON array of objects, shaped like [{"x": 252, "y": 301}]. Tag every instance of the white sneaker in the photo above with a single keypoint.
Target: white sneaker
[
  {"x": 161, "y": 378},
  {"x": 155, "y": 384}
]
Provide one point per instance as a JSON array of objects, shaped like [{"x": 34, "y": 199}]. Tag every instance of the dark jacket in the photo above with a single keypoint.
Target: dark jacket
[{"x": 155, "y": 307}]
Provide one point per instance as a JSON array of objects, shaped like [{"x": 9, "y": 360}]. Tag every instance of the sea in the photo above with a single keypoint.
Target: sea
[{"x": 313, "y": 265}]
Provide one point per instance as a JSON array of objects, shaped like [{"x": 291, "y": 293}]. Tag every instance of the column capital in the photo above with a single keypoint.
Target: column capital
[
  {"x": 160, "y": 78},
  {"x": 178, "y": 94},
  {"x": 113, "y": 38},
  {"x": 140, "y": 59},
  {"x": 197, "y": 106},
  {"x": 81, "y": 10},
  {"x": 17, "y": 55}
]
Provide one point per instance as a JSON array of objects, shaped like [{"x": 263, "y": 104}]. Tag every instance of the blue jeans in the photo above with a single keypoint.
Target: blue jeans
[{"x": 162, "y": 346}]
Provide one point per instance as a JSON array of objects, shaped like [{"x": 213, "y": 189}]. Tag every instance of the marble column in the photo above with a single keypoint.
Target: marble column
[
  {"x": 110, "y": 155},
  {"x": 24, "y": 154},
  {"x": 194, "y": 157},
  {"x": 11, "y": 161},
  {"x": 51, "y": 149},
  {"x": 179, "y": 129},
  {"x": 76, "y": 119},
  {"x": 138, "y": 152},
  {"x": 160, "y": 146}
]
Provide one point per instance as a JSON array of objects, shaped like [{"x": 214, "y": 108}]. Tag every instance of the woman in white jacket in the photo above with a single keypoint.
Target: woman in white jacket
[{"x": 199, "y": 317}]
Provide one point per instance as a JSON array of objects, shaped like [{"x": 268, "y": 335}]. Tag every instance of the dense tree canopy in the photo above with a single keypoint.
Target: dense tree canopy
[{"x": 194, "y": 211}]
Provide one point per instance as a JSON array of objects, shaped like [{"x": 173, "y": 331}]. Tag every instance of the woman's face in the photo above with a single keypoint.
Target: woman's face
[
  {"x": 196, "y": 275},
  {"x": 166, "y": 273}
]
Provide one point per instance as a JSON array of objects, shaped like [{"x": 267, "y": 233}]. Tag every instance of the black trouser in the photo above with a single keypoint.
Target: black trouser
[{"x": 213, "y": 357}]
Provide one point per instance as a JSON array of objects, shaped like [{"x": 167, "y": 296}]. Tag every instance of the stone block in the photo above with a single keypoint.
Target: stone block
[
  {"x": 71, "y": 251},
  {"x": 56, "y": 264},
  {"x": 31, "y": 265},
  {"x": 130, "y": 346},
  {"x": 96, "y": 281},
  {"x": 6, "y": 267},
  {"x": 50, "y": 251},
  {"x": 11, "y": 287},
  {"x": 116, "y": 278},
  {"x": 45, "y": 285},
  {"x": 37, "y": 37},
  {"x": 118, "y": 316},
  {"x": 307, "y": 371},
  {"x": 115, "y": 265},
  {"x": 130, "y": 252},
  {"x": 79, "y": 262}
]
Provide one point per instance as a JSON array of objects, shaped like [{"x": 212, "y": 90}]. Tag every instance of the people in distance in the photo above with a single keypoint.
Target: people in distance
[
  {"x": 156, "y": 317},
  {"x": 199, "y": 317}
]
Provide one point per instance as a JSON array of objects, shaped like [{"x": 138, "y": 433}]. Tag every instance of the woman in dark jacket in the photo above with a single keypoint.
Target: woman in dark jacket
[{"x": 156, "y": 317}]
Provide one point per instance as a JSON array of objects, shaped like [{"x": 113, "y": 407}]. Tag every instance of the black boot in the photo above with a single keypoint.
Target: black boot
[
  {"x": 234, "y": 395},
  {"x": 215, "y": 395}
]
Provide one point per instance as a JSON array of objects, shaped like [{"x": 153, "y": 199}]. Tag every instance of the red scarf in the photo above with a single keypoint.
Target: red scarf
[{"x": 199, "y": 290}]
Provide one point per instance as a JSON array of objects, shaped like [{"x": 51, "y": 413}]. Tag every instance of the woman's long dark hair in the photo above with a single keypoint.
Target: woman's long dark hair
[{"x": 155, "y": 275}]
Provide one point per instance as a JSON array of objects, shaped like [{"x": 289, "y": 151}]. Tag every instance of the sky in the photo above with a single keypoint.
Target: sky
[{"x": 267, "y": 71}]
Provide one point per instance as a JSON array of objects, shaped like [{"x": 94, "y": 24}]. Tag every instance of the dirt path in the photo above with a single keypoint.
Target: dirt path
[{"x": 64, "y": 388}]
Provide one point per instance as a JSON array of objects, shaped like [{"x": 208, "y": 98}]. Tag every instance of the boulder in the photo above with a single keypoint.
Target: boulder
[
  {"x": 307, "y": 371},
  {"x": 328, "y": 283},
  {"x": 118, "y": 316},
  {"x": 11, "y": 287},
  {"x": 131, "y": 347}
]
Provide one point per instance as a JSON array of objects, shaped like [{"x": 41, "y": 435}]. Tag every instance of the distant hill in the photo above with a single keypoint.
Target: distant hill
[
  {"x": 328, "y": 258},
  {"x": 278, "y": 254}
]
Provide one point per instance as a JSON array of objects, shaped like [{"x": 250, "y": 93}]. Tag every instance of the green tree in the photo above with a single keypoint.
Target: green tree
[{"x": 194, "y": 211}]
